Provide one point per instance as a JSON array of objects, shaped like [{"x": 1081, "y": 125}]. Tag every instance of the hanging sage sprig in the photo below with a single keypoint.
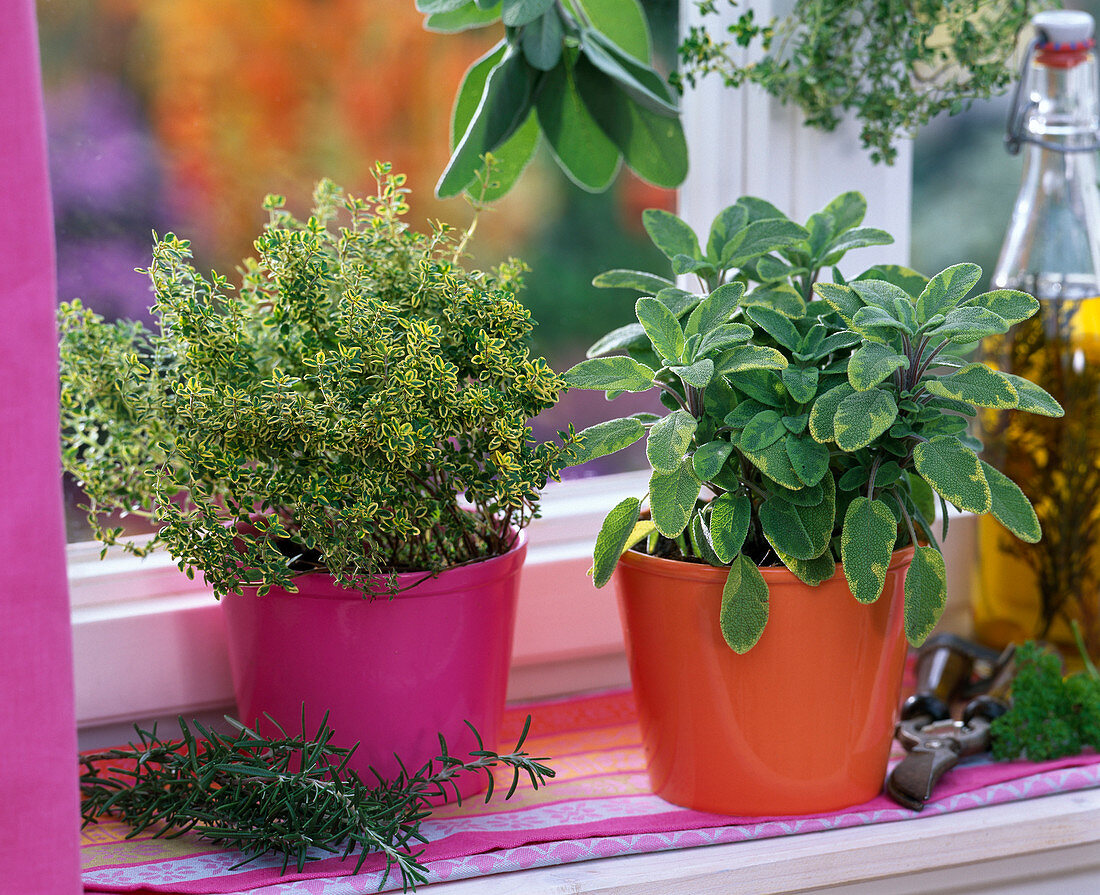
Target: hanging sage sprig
[
  {"x": 291, "y": 796},
  {"x": 576, "y": 72}
]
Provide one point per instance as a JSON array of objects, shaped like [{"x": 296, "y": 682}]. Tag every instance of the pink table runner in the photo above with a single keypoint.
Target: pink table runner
[{"x": 598, "y": 806}]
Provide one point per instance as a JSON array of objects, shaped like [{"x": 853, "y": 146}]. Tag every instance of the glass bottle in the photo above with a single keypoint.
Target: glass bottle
[{"x": 1052, "y": 251}]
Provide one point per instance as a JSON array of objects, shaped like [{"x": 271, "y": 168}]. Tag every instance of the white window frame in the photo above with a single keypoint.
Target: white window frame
[{"x": 149, "y": 643}]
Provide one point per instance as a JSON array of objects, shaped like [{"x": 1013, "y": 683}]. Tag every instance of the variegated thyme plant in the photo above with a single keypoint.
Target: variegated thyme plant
[
  {"x": 809, "y": 422},
  {"x": 360, "y": 404}
]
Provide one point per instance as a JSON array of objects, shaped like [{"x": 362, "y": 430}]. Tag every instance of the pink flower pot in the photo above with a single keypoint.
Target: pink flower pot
[{"x": 392, "y": 673}]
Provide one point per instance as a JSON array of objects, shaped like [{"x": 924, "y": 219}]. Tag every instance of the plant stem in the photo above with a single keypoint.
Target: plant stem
[
  {"x": 760, "y": 492},
  {"x": 675, "y": 394},
  {"x": 871, "y": 477},
  {"x": 906, "y": 517},
  {"x": 928, "y": 361}
]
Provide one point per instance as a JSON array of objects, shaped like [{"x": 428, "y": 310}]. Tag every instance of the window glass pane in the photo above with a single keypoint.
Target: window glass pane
[
  {"x": 965, "y": 183},
  {"x": 182, "y": 114},
  {"x": 964, "y": 187}
]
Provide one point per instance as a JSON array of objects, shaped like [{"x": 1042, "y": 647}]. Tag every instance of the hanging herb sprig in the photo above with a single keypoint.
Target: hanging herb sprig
[
  {"x": 895, "y": 64},
  {"x": 578, "y": 73},
  {"x": 292, "y": 796}
]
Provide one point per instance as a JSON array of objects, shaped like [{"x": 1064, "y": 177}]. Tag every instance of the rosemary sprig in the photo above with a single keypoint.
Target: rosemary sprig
[{"x": 283, "y": 795}]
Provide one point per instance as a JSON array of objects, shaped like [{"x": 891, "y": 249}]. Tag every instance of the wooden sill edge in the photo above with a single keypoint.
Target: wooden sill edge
[{"x": 816, "y": 861}]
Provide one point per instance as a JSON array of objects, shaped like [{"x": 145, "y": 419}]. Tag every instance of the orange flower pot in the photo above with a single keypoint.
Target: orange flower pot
[{"x": 802, "y": 723}]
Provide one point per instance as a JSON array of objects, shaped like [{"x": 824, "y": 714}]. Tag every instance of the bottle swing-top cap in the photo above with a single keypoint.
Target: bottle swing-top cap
[
  {"x": 1063, "y": 29},
  {"x": 1063, "y": 41},
  {"x": 1063, "y": 37}
]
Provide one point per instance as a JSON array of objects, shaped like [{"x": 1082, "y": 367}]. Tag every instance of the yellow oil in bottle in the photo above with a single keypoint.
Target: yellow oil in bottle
[{"x": 1033, "y": 591}]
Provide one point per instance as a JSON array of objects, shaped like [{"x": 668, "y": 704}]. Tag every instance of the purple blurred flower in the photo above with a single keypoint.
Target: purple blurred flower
[
  {"x": 103, "y": 160},
  {"x": 107, "y": 194},
  {"x": 101, "y": 273}
]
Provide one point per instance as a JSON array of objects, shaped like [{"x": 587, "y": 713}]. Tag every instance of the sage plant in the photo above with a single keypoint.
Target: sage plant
[{"x": 808, "y": 422}]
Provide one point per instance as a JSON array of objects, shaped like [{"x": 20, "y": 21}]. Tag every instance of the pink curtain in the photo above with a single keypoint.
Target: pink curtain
[{"x": 39, "y": 801}]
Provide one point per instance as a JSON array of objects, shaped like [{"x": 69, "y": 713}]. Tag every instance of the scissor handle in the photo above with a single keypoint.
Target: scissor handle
[{"x": 963, "y": 738}]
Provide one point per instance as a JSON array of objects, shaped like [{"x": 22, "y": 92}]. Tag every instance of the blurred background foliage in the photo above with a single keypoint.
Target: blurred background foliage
[{"x": 182, "y": 114}]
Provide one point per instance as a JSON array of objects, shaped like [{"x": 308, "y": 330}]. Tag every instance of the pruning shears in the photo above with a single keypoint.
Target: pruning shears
[{"x": 949, "y": 669}]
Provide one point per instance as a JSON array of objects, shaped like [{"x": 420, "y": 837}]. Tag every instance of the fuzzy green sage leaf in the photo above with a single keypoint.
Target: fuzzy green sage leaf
[
  {"x": 652, "y": 143},
  {"x": 669, "y": 440},
  {"x": 515, "y": 13},
  {"x": 729, "y": 524},
  {"x": 611, "y": 541},
  {"x": 954, "y": 472},
  {"x": 586, "y": 154},
  {"x": 504, "y": 105},
  {"x": 630, "y": 336},
  {"x": 744, "y": 611},
  {"x": 978, "y": 385},
  {"x": 606, "y": 438},
  {"x": 623, "y": 374},
  {"x": 662, "y": 327},
  {"x": 824, "y": 412},
  {"x": 873, "y": 362},
  {"x": 970, "y": 324},
  {"x": 776, "y": 464},
  {"x": 800, "y": 382},
  {"x": 698, "y": 374},
  {"x": 925, "y": 594},
  {"x": 709, "y": 459},
  {"x": 749, "y": 357},
  {"x": 670, "y": 234},
  {"x": 1008, "y": 304},
  {"x": 1032, "y": 398},
  {"x": 842, "y": 299},
  {"x": 727, "y": 335},
  {"x": 862, "y": 417},
  {"x": 542, "y": 43},
  {"x": 1011, "y": 507},
  {"x": 809, "y": 458},
  {"x": 880, "y": 294},
  {"x": 463, "y": 18},
  {"x": 760, "y": 238},
  {"x": 866, "y": 544},
  {"x": 800, "y": 532},
  {"x": 716, "y": 309},
  {"x": 762, "y": 431},
  {"x": 811, "y": 571},
  {"x": 639, "y": 280},
  {"x": 946, "y": 290},
  {"x": 672, "y": 497}
]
